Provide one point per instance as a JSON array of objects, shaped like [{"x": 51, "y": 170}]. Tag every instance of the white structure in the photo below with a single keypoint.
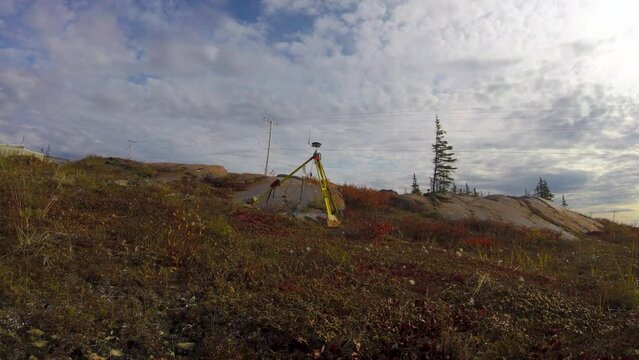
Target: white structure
[{"x": 20, "y": 150}]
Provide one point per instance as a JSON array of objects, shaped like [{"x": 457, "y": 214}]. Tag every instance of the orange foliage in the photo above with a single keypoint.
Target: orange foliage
[
  {"x": 479, "y": 241},
  {"x": 364, "y": 197},
  {"x": 359, "y": 227},
  {"x": 383, "y": 229}
]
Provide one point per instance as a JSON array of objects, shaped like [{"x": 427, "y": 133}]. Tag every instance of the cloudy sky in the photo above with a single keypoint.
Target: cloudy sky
[{"x": 524, "y": 88}]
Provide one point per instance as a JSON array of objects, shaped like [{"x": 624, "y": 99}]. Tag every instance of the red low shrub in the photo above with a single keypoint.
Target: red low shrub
[
  {"x": 355, "y": 196},
  {"x": 367, "y": 229},
  {"x": 383, "y": 229},
  {"x": 432, "y": 230},
  {"x": 262, "y": 222},
  {"x": 479, "y": 241}
]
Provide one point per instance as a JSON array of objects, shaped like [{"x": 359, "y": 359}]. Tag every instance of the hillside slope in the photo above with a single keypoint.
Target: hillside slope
[
  {"x": 524, "y": 211},
  {"x": 99, "y": 259}
]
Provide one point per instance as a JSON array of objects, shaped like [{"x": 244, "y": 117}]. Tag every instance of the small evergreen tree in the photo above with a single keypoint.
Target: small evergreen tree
[
  {"x": 543, "y": 191},
  {"x": 563, "y": 202},
  {"x": 414, "y": 188},
  {"x": 467, "y": 190},
  {"x": 442, "y": 161},
  {"x": 475, "y": 193}
]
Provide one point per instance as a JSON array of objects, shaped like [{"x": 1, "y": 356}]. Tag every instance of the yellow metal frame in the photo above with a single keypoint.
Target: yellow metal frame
[
  {"x": 329, "y": 202},
  {"x": 331, "y": 208}
]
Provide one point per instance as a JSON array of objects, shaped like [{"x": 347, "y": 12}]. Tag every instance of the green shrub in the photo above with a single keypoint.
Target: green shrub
[
  {"x": 219, "y": 227},
  {"x": 616, "y": 296}
]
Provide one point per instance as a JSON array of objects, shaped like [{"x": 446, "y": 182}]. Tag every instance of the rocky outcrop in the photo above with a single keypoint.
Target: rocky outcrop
[
  {"x": 304, "y": 199},
  {"x": 167, "y": 172},
  {"x": 525, "y": 211}
]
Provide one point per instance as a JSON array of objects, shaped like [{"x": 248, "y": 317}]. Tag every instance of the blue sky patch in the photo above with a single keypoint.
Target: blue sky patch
[
  {"x": 284, "y": 26},
  {"x": 140, "y": 78},
  {"x": 244, "y": 10}
]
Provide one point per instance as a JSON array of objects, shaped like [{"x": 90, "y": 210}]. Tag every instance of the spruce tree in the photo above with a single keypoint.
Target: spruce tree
[
  {"x": 415, "y": 186},
  {"x": 543, "y": 191},
  {"x": 443, "y": 160},
  {"x": 467, "y": 190},
  {"x": 563, "y": 202}
]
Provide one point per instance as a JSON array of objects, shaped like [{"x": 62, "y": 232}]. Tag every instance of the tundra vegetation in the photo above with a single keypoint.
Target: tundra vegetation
[{"x": 99, "y": 260}]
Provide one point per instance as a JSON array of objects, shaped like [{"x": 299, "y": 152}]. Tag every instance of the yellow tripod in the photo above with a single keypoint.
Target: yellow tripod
[{"x": 329, "y": 202}]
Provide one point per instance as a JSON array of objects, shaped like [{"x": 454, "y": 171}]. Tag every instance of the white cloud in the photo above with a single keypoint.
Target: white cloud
[
  {"x": 82, "y": 40},
  {"x": 16, "y": 86}
]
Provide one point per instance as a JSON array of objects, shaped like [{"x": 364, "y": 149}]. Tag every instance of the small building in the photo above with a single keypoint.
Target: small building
[{"x": 19, "y": 150}]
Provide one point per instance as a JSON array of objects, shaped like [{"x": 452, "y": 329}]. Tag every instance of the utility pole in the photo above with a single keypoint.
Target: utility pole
[
  {"x": 131, "y": 142},
  {"x": 268, "y": 149}
]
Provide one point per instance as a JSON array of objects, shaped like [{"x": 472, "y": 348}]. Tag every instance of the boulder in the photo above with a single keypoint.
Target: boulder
[{"x": 302, "y": 197}]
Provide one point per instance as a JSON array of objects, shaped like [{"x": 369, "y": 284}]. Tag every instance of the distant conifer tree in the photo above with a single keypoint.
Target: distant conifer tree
[
  {"x": 443, "y": 160},
  {"x": 414, "y": 188},
  {"x": 467, "y": 190},
  {"x": 563, "y": 202},
  {"x": 475, "y": 193},
  {"x": 543, "y": 191}
]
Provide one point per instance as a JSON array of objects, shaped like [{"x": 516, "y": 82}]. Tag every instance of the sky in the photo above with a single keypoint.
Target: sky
[{"x": 525, "y": 89}]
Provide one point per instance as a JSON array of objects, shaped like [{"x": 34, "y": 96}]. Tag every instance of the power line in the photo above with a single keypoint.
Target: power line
[
  {"x": 455, "y": 131},
  {"x": 470, "y": 118},
  {"x": 496, "y": 109},
  {"x": 256, "y": 151},
  {"x": 465, "y": 151},
  {"x": 192, "y": 156},
  {"x": 523, "y": 130}
]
